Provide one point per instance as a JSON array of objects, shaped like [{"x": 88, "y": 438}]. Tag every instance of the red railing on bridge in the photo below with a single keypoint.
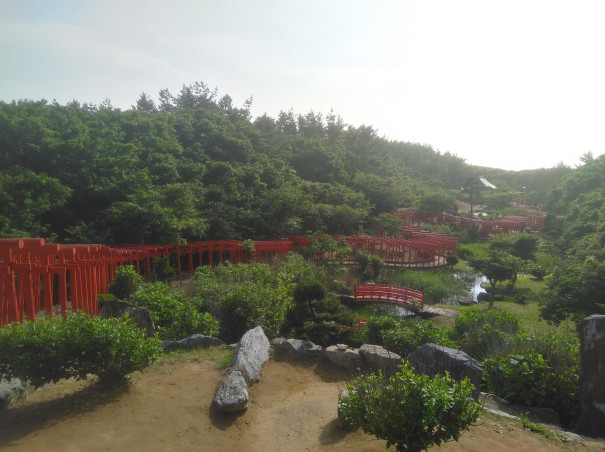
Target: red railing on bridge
[{"x": 389, "y": 294}]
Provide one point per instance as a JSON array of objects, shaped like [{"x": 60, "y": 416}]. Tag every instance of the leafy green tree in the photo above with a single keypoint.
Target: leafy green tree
[
  {"x": 523, "y": 246},
  {"x": 437, "y": 202},
  {"x": 391, "y": 224},
  {"x": 28, "y": 199},
  {"x": 497, "y": 267},
  {"x": 575, "y": 290}
]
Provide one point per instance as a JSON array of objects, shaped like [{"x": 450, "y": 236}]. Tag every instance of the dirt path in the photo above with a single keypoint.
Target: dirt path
[{"x": 168, "y": 408}]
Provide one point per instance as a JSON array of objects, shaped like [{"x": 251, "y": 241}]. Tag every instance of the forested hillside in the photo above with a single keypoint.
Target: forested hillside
[{"x": 193, "y": 166}]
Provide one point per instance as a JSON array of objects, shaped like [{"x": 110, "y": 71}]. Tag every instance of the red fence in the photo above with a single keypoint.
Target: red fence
[{"x": 389, "y": 294}]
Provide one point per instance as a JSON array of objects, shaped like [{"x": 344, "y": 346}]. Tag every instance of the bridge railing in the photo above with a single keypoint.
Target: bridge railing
[{"x": 388, "y": 293}]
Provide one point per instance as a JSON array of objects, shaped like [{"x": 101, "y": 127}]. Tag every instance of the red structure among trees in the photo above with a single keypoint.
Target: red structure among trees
[
  {"x": 388, "y": 294},
  {"x": 36, "y": 276},
  {"x": 508, "y": 224}
]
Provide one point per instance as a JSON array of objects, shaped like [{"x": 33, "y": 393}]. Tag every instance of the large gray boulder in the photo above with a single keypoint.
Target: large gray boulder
[
  {"x": 193, "y": 341},
  {"x": 296, "y": 347},
  {"x": 433, "y": 359},
  {"x": 11, "y": 391},
  {"x": 378, "y": 358},
  {"x": 142, "y": 319},
  {"x": 343, "y": 356},
  {"x": 232, "y": 394},
  {"x": 251, "y": 353},
  {"x": 592, "y": 370}
]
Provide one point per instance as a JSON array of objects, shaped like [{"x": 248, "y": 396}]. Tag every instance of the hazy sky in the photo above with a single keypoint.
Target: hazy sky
[{"x": 513, "y": 84}]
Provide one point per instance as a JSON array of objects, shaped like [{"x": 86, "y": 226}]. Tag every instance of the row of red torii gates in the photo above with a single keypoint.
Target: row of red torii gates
[
  {"x": 509, "y": 224},
  {"x": 36, "y": 276}
]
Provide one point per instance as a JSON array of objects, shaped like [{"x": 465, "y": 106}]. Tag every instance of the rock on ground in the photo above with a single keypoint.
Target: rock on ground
[
  {"x": 232, "y": 394},
  {"x": 376, "y": 357},
  {"x": 11, "y": 391},
  {"x": 296, "y": 347},
  {"x": 251, "y": 353},
  {"x": 343, "y": 356},
  {"x": 193, "y": 341},
  {"x": 432, "y": 359}
]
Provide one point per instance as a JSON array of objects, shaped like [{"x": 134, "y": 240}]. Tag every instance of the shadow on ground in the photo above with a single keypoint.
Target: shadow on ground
[{"x": 21, "y": 420}]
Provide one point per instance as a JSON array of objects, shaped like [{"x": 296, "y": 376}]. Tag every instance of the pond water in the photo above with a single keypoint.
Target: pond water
[
  {"x": 474, "y": 282},
  {"x": 476, "y": 288}
]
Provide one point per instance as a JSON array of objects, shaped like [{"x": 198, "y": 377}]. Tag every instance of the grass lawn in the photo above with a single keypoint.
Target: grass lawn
[{"x": 523, "y": 301}]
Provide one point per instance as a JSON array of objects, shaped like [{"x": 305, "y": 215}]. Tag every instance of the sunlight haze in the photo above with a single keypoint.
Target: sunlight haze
[{"x": 513, "y": 85}]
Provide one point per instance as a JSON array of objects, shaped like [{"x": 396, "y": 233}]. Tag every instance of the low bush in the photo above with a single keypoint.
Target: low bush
[
  {"x": 451, "y": 260},
  {"x": 538, "y": 272},
  {"x": 162, "y": 269},
  {"x": 485, "y": 333},
  {"x": 244, "y": 296},
  {"x": 403, "y": 336},
  {"x": 541, "y": 370},
  {"x": 50, "y": 349},
  {"x": 175, "y": 315},
  {"x": 520, "y": 378},
  {"x": 376, "y": 264},
  {"x": 126, "y": 281},
  {"x": 363, "y": 260},
  {"x": 411, "y": 411}
]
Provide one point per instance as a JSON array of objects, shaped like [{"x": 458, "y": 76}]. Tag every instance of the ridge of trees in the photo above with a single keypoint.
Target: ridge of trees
[{"x": 194, "y": 165}]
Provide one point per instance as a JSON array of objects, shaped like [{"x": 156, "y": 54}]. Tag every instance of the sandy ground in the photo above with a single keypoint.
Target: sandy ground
[{"x": 168, "y": 408}]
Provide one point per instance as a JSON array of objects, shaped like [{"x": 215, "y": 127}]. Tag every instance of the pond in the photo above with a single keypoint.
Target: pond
[
  {"x": 476, "y": 289},
  {"x": 474, "y": 281}
]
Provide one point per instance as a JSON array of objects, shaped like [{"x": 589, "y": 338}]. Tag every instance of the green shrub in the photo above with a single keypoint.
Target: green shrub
[
  {"x": 363, "y": 260},
  {"x": 451, "y": 260},
  {"x": 126, "y": 281},
  {"x": 244, "y": 296},
  {"x": 162, "y": 270},
  {"x": 51, "y": 349},
  {"x": 486, "y": 333},
  {"x": 403, "y": 336},
  {"x": 321, "y": 332},
  {"x": 175, "y": 315},
  {"x": 310, "y": 289},
  {"x": 376, "y": 264},
  {"x": 411, "y": 411},
  {"x": 538, "y": 272},
  {"x": 518, "y": 378},
  {"x": 539, "y": 370}
]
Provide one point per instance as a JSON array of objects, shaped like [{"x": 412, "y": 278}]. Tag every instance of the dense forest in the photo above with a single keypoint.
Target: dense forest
[{"x": 195, "y": 166}]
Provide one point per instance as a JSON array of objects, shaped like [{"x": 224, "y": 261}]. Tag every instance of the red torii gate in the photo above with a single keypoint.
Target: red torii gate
[
  {"x": 35, "y": 276},
  {"x": 506, "y": 225}
]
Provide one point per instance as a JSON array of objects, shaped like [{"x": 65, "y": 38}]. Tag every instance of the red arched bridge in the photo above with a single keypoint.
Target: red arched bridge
[{"x": 388, "y": 294}]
